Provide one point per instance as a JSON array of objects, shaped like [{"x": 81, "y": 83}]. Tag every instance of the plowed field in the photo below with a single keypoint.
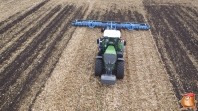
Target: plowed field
[{"x": 47, "y": 64}]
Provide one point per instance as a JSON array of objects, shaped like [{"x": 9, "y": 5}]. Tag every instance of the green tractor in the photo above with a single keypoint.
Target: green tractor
[{"x": 109, "y": 63}]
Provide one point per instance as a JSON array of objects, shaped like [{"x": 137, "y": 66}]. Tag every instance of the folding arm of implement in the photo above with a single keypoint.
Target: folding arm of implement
[{"x": 111, "y": 24}]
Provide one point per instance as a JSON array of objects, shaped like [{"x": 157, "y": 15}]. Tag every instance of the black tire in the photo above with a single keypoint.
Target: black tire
[
  {"x": 98, "y": 67},
  {"x": 119, "y": 54},
  {"x": 120, "y": 70},
  {"x": 124, "y": 43},
  {"x": 100, "y": 53},
  {"x": 97, "y": 41}
]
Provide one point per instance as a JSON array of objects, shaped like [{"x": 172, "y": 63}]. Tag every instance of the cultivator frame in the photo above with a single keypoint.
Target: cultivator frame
[{"x": 111, "y": 24}]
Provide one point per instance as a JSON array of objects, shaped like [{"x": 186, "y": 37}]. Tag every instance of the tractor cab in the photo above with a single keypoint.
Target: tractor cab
[{"x": 111, "y": 38}]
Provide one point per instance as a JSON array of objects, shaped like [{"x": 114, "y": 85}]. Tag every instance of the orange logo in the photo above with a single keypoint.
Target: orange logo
[{"x": 188, "y": 101}]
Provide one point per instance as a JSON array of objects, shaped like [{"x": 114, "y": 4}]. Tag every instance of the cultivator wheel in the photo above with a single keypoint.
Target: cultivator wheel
[
  {"x": 98, "y": 67},
  {"x": 120, "y": 70}
]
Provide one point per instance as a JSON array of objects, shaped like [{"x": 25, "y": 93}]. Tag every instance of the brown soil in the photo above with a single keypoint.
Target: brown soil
[{"x": 47, "y": 64}]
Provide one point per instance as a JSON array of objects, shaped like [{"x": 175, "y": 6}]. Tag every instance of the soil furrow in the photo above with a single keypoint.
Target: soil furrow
[
  {"x": 124, "y": 84},
  {"x": 149, "y": 65},
  {"x": 131, "y": 16},
  {"x": 157, "y": 73},
  {"x": 189, "y": 67},
  {"x": 70, "y": 75},
  {"x": 19, "y": 42},
  {"x": 89, "y": 16},
  {"x": 12, "y": 48},
  {"x": 191, "y": 43},
  {"x": 157, "y": 23},
  {"x": 25, "y": 58},
  {"x": 52, "y": 53},
  {"x": 177, "y": 55},
  {"x": 59, "y": 54},
  {"x": 10, "y": 19},
  {"x": 48, "y": 64},
  {"x": 190, "y": 23},
  {"x": 13, "y": 33},
  {"x": 9, "y": 25},
  {"x": 42, "y": 37},
  {"x": 10, "y": 74},
  {"x": 8, "y": 37},
  {"x": 139, "y": 17},
  {"x": 188, "y": 14},
  {"x": 33, "y": 48},
  {"x": 83, "y": 103},
  {"x": 131, "y": 74},
  {"x": 192, "y": 10},
  {"x": 104, "y": 17}
]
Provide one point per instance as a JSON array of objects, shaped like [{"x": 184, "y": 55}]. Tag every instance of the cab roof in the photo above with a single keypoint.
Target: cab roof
[{"x": 112, "y": 33}]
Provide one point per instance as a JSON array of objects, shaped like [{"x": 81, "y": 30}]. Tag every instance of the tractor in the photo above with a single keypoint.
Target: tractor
[
  {"x": 110, "y": 57},
  {"x": 109, "y": 62}
]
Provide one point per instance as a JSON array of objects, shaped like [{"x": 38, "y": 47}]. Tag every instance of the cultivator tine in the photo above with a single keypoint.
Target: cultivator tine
[{"x": 111, "y": 24}]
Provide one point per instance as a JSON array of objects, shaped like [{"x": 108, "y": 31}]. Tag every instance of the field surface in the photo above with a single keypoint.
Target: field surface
[{"x": 47, "y": 64}]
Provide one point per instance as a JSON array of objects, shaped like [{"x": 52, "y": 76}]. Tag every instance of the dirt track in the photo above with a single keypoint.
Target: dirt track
[{"x": 47, "y": 64}]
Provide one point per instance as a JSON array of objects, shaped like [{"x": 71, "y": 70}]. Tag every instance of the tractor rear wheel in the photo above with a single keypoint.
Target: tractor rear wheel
[
  {"x": 98, "y": 67},
  {"x": 120, "y": 70}
]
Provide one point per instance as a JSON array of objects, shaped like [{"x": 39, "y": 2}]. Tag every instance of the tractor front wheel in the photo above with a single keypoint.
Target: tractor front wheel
[
  {"x": 120, "y": 70},
  {"x": 98, "y": 67}
]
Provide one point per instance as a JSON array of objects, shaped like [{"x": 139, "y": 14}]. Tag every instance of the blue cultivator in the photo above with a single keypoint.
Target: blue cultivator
[{"x": 111, "y": 24}]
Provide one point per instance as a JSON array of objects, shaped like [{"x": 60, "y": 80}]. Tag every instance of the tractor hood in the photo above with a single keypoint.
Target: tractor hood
[
  {"x": 112, "y": 33},
  {"x": 110, "y": 57}
]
